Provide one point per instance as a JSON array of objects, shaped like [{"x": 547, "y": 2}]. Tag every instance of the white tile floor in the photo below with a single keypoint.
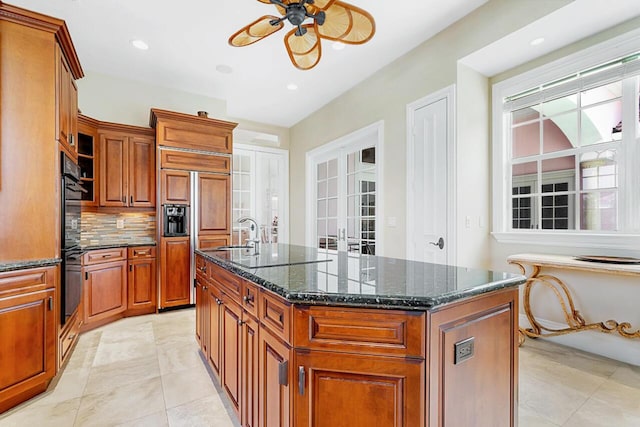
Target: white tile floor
[{"x": 145, "y": 371}]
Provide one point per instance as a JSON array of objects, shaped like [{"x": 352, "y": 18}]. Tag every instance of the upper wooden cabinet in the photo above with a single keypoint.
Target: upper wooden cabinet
[
  {"x": 67, "y": 106},
  {"x": 179, "y": 130},
  {"x": 214, "y": 195},
  {"x": 127, "y": 166},
  {"x": 88, "y": 159},
  {"x": 32, "y": 49},
  {"x": 176, "y": 187}
]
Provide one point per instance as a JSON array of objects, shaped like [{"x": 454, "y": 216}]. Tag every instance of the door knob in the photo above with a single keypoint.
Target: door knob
[{"x": 439, "y": 243}]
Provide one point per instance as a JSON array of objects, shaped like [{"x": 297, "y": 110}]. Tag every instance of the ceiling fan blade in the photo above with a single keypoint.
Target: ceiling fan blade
[
  {"x": 255, "y": 31},
  {"x": 304, "y": 51},
  {"x": 348, "y": 24},
  {"x": 322, "y": 4}
]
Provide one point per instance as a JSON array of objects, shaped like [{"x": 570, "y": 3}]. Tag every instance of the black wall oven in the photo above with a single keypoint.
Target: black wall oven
[{"x": 71, "y": 277}]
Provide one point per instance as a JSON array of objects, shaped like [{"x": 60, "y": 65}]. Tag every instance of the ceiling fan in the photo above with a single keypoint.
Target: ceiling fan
[{"x": 331, "y": 20}]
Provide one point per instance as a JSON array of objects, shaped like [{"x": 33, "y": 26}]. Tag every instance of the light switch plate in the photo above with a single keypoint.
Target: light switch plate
[{"x": 120, "y": 223}]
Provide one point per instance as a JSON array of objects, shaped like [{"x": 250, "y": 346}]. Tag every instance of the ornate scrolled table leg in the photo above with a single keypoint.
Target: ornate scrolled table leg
[{"x": 573, "y": 318}]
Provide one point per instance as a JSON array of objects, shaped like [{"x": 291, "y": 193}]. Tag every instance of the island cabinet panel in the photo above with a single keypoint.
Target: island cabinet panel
[
  {"x": 28, "y": 333},
  {"x": 200, "y": 308},
  {"x": 386, "y": 332},
  {"x": 175, "y": 263},
  {"x": 274, "y": 406},
  {"x": 229, "y": 282},
  {"x": 358, "y": 390},
  {"x": 250, "y": 372},
  {"x": 275, "y": 315},
  {"x": 473, "y": 363},
  {"x": 231, "y": 336},
  {"x": 213, "y": 342}
]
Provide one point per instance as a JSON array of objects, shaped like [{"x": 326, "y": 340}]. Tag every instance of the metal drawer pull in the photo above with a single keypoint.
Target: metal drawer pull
[
  {"x": 301, "y": 380},
  {"x": 283, "y": 373},
  {"x": 107, "y": 255}
]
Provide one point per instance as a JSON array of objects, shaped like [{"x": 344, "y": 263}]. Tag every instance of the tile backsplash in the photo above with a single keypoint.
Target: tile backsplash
[{"x": 101, "y": 228}]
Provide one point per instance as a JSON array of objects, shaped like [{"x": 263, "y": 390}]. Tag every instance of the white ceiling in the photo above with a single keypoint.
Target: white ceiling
[{"x": 188, "y": 39}]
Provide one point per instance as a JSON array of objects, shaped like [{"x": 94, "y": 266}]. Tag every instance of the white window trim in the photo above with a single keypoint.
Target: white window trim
[
  {"x": 350, "y": 141},
  {"x": 609, "y": 50}
]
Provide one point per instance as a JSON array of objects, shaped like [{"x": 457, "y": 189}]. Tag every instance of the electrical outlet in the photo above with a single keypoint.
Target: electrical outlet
[
  {"x": 467, "y": 221},
  {"x": 120, "y": 223}
]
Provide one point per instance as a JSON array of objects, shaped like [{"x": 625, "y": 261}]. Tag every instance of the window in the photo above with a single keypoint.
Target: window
[{"x": 568, "y": 163}]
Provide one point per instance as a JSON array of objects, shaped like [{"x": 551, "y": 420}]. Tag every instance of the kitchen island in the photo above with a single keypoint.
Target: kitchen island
[{"x": 298, "y": 336}]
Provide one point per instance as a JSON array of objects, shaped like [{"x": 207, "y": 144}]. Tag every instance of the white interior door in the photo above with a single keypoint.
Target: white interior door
[{"x": 428, "y": 233}]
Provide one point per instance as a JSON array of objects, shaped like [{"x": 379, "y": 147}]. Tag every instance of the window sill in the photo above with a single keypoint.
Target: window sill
[{"x": 574, "y": 240}]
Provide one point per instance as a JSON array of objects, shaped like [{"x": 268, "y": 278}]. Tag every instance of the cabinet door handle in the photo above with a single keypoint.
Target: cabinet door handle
[
  {"x": 71, "y": 140},
  {"x": 301, "y": 375},
  {"x": 130, "y": 267},
  {"x": 281, "y": 317},
  {"x": 240, "y": 322},
  {"x": 131, "y": 204},
  {"x": 86, "y": 275},
  {"x": 124, "y": 199},
  {"x": 106, "y": 256},
  {"x": 283, "y": 373},
  {"x": 50, "y": 302}
]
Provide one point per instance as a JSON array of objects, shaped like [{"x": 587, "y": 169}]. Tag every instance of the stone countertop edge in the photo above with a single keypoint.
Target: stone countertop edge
[
  {"x": 93, "y": 247},
  {"x": 23, "y": 265},
  {"x": 366, "y": 301}
]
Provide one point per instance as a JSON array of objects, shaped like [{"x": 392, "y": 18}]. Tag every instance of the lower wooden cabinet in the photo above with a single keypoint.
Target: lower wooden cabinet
[
  {"x": 231, "y": 337},
  {"x": 357, "y": 390},
  {"x": 212, "y": 342},
  {"x": 28, "y": 333},
  {"x": 118, "y": 282},
  {"x": 175, "y": 265},
  {"x": 141, "y": 281},
  {"x": 274, "y": 381},
  {"x": 250, "y": 372},
  {"x": 105, "y": 287}
]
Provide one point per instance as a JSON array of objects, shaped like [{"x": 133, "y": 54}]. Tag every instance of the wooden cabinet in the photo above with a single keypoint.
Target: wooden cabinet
[
  {"x": 214, "y": 209},
  {"x": 175, "y": 187},
  {"x": 28, "y": 333},
  {"x": 141, "y": 281},
  {"x": 31, "y": 48},
  {"x": 104, "y": 274},
  {"x": 175, "y": 265},
  {"x": 358, "y": 390},
  {"x": 487, "y": 327},
  {"x": 127, "y": 166},
  {"x": 283, "y": 364},
  {"x": 274, "y": 405},
  {"x": 88, "y": 159},
  {"x": 66, "y": 106},
  {"x": 213, "y": 342},
  {"x": 105, "y": 290}
]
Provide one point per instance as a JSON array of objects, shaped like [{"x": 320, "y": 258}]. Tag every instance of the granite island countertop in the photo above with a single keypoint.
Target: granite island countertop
[{"x": 306, "y": 275}]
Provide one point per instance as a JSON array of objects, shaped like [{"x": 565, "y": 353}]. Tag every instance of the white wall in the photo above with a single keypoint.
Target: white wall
[
  {"x": 384, "y": 96},
  {"x": 598, "y": 297},
  {"x": 113, "y": 99}
]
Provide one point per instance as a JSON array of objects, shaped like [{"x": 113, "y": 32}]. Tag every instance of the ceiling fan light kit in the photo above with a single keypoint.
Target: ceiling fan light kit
[{"x": 330, "y": 19}]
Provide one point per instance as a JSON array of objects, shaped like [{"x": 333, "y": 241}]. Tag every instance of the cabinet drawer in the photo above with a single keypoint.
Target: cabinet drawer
[
  {"x": 141, "y": 252},
  {"x": 250, "y": 298},
  {"x": 201, "y": 266},
  {"x": 275, "y": 314},
  {"x": 229, "y": 282},
  {"x": 362, "y": 331},
  {"x": 104, "y": 255},
  {"x": 69, "y": 337}
]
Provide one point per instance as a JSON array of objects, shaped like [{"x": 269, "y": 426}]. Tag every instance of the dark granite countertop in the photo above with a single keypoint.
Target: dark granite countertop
[
  {"x": 23, "y": 265},
  {"x": 358, "y": 280},
  {"x": 112, "y": 244}
]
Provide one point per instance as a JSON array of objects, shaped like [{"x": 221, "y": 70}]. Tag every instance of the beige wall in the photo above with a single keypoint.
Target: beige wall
[
  {"x": 430, "y": 67},
  {"x": 118, "y": 100}
]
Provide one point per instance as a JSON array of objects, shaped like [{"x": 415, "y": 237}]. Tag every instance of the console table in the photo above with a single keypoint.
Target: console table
[{"x": 573, "y": 318}]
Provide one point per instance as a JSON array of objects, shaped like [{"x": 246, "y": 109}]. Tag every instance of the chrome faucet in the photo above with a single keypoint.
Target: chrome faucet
[{"x": 255, "y": 242}]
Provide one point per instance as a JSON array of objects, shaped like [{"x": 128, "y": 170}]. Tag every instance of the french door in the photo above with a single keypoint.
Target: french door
[{"x": 345, "y": 202}]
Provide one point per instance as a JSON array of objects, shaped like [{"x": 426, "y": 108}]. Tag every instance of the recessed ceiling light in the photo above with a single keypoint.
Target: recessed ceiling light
[
  {"x": 140, "y": 44},
  {"x": 224, "y": 69},
  {"x": 292, "y": 86},
  {"x": 337, "y": 46},
  {"x": 536, "y": 42}
]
